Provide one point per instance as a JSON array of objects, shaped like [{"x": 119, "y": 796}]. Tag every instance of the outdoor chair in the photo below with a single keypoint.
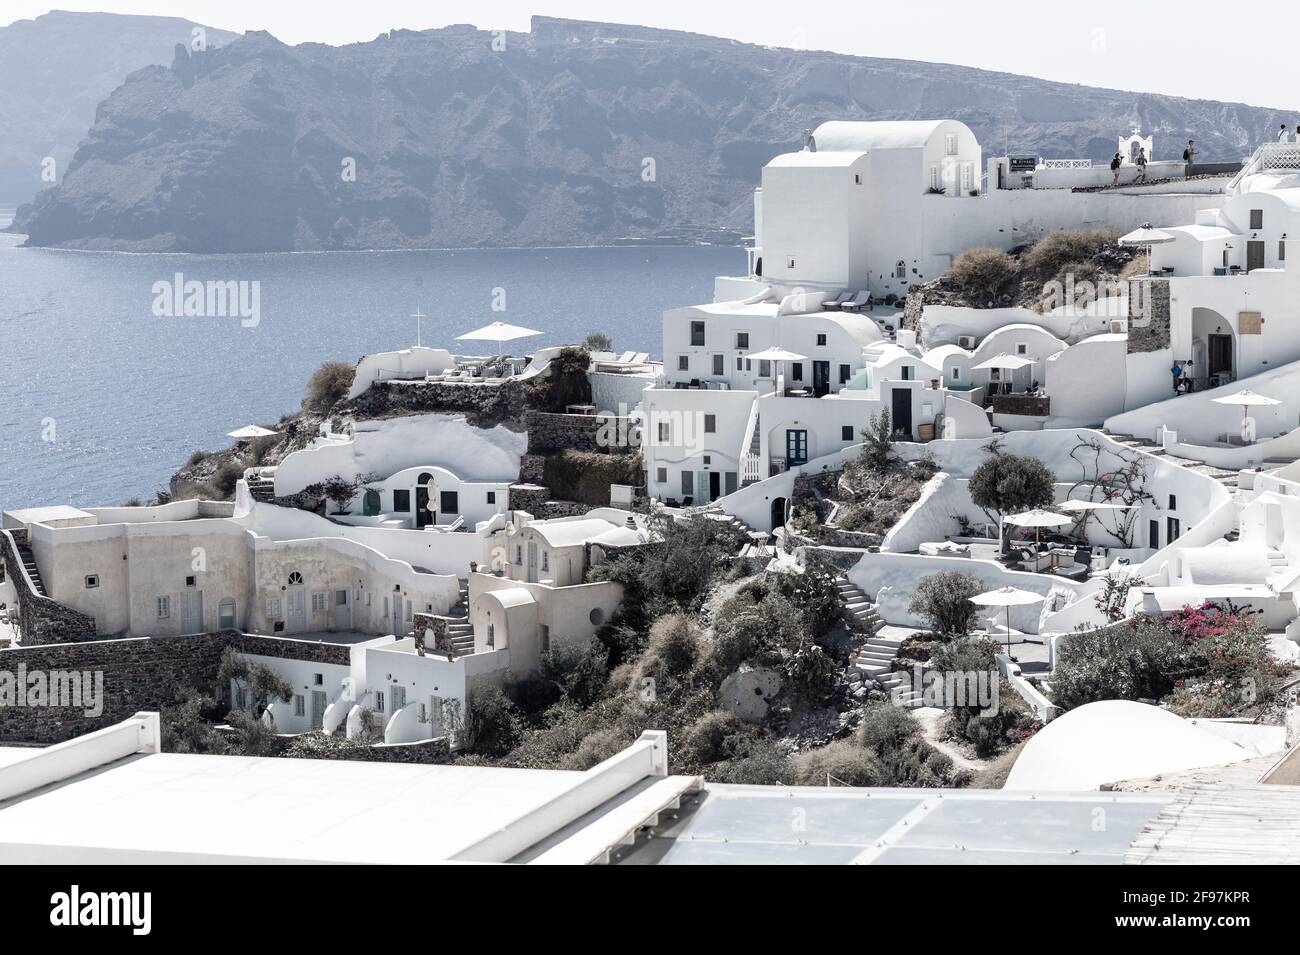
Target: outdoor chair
[
  {"x": 839, "y": 301},
  {"x": 856, "y": 303}
]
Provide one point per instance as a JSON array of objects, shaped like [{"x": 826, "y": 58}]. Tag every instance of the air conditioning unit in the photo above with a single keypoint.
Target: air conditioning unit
[{"x": 966, "y": 341}]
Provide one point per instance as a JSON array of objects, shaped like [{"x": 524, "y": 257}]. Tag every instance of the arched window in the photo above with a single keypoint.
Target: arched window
[
  {"x": 295, "y": 578},
  {"x": 900, "y": 269}
]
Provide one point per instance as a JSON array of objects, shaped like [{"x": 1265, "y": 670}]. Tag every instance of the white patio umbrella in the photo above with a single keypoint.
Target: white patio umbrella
[
  {"x": 1006, "y": 597},
  {"x": 1247, "y": 399},
  {"x": 250, "y": 431},
  {"x": 776, "y": 354},
  {"x": 1011, "y": 362},
  {"x": 1038, "y": 518},
  {"x": 498, "y": 332},
  {"x": 1146, "y": 235}
]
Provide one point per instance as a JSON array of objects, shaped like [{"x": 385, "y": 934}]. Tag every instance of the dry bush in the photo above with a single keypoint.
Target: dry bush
[
  {"x": 327, "y": 386},
  {"x": 982, "y": 273},
  {"x": 1050, "y": 254}
]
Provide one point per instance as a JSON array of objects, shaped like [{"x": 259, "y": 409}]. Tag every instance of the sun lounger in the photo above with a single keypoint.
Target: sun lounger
[
  {"x": 837, "y": 302},
  {"x": 856, "y": 303}
]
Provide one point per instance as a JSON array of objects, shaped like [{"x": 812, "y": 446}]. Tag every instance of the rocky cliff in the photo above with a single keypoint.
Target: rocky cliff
[{"x": 574, "y": 133}]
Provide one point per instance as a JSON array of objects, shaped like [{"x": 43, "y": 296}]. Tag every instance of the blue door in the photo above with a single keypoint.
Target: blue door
[{"x": 796, "y": 447}]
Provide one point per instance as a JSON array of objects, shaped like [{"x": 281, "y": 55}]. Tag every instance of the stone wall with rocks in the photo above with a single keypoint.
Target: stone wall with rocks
[
  {"x": 138, "y": 673},
  {"x": 1149, "y": 332},
  {"x": 549, "y": 432},
  {"x": 484, "y": 406},
  {"x": 40, "y": 619}
]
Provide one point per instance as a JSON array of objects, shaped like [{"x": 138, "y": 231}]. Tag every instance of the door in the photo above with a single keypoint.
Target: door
[
  {"x": 715, "y": 485},
  {"x": 317, "y": 709},
  {"x": 342, "y": 610},
  {"x": 295, "y": 620},
  {"x": 1153, "y": 534},
  {"x": 821, "y": 377},
  {"x": 1172, "y": 530},
  {"x": 532, "y": 562},
  {"x": 423, "y": 516},
  {"x": 796, "y": 447},
  {"x": 1219, "y": 354},
  {"x": 901, "y": 411},
  {"x": 1254, "y": 255},
  {"x": 191, "y": 611},
  {"x": 399, "y": 698},
  {"x": 398, "y": 629}
]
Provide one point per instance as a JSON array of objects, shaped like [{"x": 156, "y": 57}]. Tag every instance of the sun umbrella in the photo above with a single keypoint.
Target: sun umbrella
[
  {"x": 498, "y": 332},
  {"x": 1011, "y": 362},
  {"x": 776, "y": 354},
  {"x": 1038, "y": 519},
  {"x": 250, "y": 431},
  {"x": 1006, "y": 597},
  {"x": 1247, "y": 399},
  {"x": 1145, "y": 235}
]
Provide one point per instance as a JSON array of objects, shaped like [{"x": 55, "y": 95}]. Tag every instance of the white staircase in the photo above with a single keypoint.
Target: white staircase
[{"x": 875, "y": 657}]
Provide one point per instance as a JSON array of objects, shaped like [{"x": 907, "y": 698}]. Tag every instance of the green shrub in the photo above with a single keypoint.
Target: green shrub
[
  {"x": 226, "y": 477},
  {"x": 1011, "y": 483},
  {"x": 327, "y": 386},
  {"x": 943, "y": 601},
  {"x": 982, "y": 273},
  {"x": 886, "y": 728},
  {"x": 1140, "y": 659},
  {"x": 841, "y": 760},
  {"x": 761, "y": 765},
  {"x": 492, "y": 724},
  {"x": 715, "y": 736},
  {"x": 585, "y": 476},
  {"x": 598, "y": 341}
]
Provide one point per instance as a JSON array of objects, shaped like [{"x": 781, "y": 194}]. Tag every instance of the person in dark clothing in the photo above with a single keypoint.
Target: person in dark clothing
[
  {"x": 1116, "y": 161},
  {"x": 1189, "y": 157}
]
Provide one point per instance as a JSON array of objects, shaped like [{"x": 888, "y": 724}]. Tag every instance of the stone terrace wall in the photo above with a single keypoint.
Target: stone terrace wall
[
  {"x": 139, "y": 673},
  {"x": 40, "y": 619},
  {"x": 484, "y": 406}
]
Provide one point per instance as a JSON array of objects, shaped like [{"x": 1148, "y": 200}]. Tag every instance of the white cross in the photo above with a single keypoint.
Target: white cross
[{"x": 417, "y": 316}]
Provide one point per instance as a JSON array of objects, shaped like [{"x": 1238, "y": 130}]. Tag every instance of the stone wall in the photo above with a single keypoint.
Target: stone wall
[
  {"x": 40, "y": 619},
  {"x": 139, "y": 673},
  {"x": 573, "y": 432},
  {"x": 1148, "y": 332},
  {"x": 484, "y": 406}
]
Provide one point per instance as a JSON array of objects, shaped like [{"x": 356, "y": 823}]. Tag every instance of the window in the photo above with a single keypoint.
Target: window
[
  {"x": 491, "y": 635},
  {"x": 683, "y": 363},
  {"x": 1173, "y": 502},
  {"x": 402, "y": 502},
  {"x": 273, "y": 607},
  {"x": 764, "y": 368},
  {"x": 688, "y": 483},
  {"x": 846, "y": 432},
  {"x": 950, "y": 144},
  {"x": 241, "y": 699},
  {"x": 697, "y": 333},
  {"x": 708, "y": 459},
  {"x": 909, "y": 372},
  {"x": 318, "y": 679},
  {"x": 857, "y": 179},
  {"x": 319, "y": 602},
  {"x": 935, "y": 182},
  {"x": 967, "y": 177},
  {"x": 226, "y": 614},
  {"x": 164, "y": 607},
  {"x": 661, "y": 475},
  {"x": 710, "y": 423},
  {"x": 379, "y": 701},
  {"x": 295, "y": 578},
  {"x": 845, "y": 371},
  {"x": 796, "y": 371},
  {"x": 740, "y": 363},
  {"x": 546, "y": 639},
  {"x": 449, "y": 502},
  {"x": 190, "y": 581},
  {"x": 519, "y": 554},
  {"x": 821, "y": 339},
  {"x": 1022, "y": 348},
  {"x": 900, "y": 269},
  {"x": 92, "y": 581},
  {"x": 491, "y": 497},
  {"x": 299, "y": 705},
  {"x": 789, "y": 262},
  {"x": 546, "y": 560},
  {"x": 665, "y": 432},
  {"x": 718, "y": 367},
  {"x": 954, "y": 373},
  {"x": 742, "y": 339},
  {"x": 1257, "y": 218}
]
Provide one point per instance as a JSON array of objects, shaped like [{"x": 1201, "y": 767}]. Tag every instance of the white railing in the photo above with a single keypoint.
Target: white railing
[
  {"x": 1280, "y": 156},
  {"x": 749, "y": 468},
  {"x": 748, "y": 437}
]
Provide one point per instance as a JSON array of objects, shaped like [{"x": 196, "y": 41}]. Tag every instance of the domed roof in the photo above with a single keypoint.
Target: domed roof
[{"x": 1111, "y": 740}]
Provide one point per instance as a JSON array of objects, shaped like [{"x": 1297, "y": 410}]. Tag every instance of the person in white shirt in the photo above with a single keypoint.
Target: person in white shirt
[{"x": 1283, "y": 135}]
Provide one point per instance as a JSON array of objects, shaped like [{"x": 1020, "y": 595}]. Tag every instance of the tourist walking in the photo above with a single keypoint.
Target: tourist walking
[
  {"x": 1115, "y": 163},
  {"x": 1189, "y": 157},
  {"x": 1141, "y": 164},
  {"x": 1283, "y": 134}
]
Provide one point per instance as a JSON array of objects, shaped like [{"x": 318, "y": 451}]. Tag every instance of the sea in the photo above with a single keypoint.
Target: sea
[{"x": 105, "y": 390}]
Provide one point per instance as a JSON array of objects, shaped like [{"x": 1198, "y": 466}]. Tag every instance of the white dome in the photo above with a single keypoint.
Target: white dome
[{"x": 1111, "y": 740}]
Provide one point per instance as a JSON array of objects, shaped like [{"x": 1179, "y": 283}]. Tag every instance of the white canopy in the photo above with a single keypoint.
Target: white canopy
[
  {"x": 1093, "y": 506},
  {"x": 1004, "y": 361},
  {"x": 776, "y": 353},
  {"x": 1146, "y": 235},
  {"x": 1247, "y": 399},
  {"x": 250, "y": 431},
  {"x": 497, "y": 332},
  {"x": 1037, "y": 518},
  {"x": 1006, "y": 597}
]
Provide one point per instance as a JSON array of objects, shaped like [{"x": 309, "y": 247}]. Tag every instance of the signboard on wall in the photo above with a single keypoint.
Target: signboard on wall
[
  {"x": 1023, "y": 163},
  {"x": 1250, "y": 323}
]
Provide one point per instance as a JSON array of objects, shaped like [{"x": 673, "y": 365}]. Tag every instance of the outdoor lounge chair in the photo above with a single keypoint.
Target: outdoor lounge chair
[
  {"x": 856, "y": 303},
  {"x": 838, "y": 301}
]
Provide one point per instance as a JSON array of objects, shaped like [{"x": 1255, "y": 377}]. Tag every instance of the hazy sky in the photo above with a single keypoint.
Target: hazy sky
[{"x": 1190, "y": 48}]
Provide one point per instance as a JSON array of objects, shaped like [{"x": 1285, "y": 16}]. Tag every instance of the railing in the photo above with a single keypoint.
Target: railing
[
  {"x": 751, "y": 426},
  {"x": 1269, "y": 156},
  {"x": 749, "y": 468}
]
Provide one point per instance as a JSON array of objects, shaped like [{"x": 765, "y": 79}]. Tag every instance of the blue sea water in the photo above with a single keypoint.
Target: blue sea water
[{"x": 101, "y": 401}]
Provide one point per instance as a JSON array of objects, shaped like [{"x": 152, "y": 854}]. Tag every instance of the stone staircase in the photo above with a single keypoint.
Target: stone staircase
[
  {"x": 29, "y": 564},
  {"x": 1225, "y": 477},
  {"x": 875, "y": 657},
  {"x": 459, "y": 629},
  {"x": 261, "y": 484}
]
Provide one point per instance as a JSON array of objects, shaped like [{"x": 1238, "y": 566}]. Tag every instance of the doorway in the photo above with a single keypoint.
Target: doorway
[
  {"x": 796, "y": 447},
  {"x": 1254, "y": 255},
  {"x": 532, "y": 562},
  {"x": 423, "y": 516},
  {"x": 821, "y": 377},
  {"x": 191, "y": 611},
  {"x": 296, "y": 617},
  {"x": 715, "y": 485},
  {"x": 1153, "y": 534},
  {"x": 1219, "y": 354},
  {"x": 778, "y": 513},
  {"x": 900, "y": 409},
  {"x": 317, "y": 709}
]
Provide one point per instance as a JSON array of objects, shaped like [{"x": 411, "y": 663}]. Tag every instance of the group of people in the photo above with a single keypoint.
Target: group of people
[
  {"x": 1284, "y": 134},
  {"x": 1189, "y": 157},
  {"x": 1183, "y": 376}
]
